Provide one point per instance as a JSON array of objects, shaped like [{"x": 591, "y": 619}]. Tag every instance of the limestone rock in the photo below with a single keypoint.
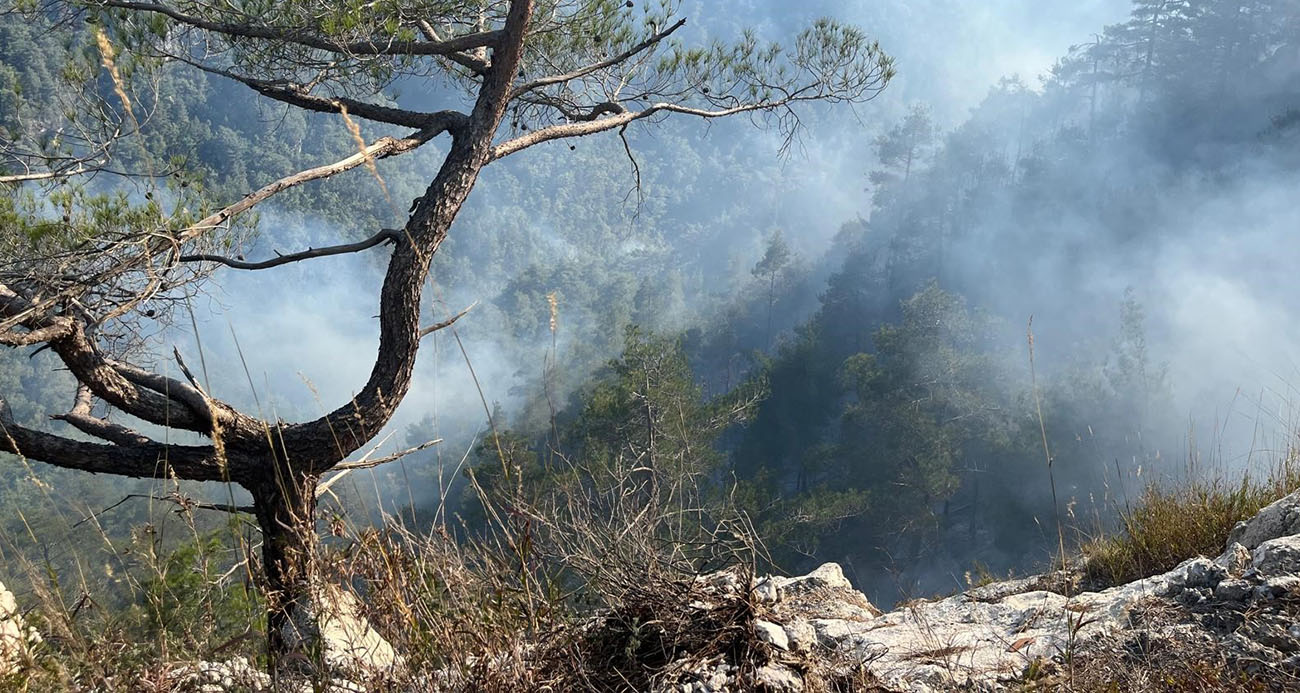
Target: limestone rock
[
  {"x": 216, "y": 677},
  {"x": 1277, "y": 557},
  {"x": 16, "y": 638},
  {"x": 772, "y": 634},
  {"x": 823, "y": 593},
  {"x": 778, "y": 678},
  {"x": 990, "y": 636},
  {"x": 801, "y": 635},
  {"x": 1278, "y": 519},
  {"x": 766, "y": 591},
  {"x": 334, "y": 625},
  {"x": 1236, "y": 559},
  {"x": 1233, "y": 590},
  {"x": 827, "y": 576}
]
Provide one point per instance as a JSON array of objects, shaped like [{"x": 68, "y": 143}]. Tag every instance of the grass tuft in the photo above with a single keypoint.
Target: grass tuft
[{"x": 1172, "y": 523}]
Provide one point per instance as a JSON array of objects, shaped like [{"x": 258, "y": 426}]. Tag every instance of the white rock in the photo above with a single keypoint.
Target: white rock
[
  {"x": 779, "y": 679},
  {"x": 771, "y": 634},
  {"x": 16, "y": 639},
  {"x": 1236, "y": 559},
  {"x": 801, "y": 635},
  {"x": 1278, "y": 519},
  {"x": 347, "y": 643},
  {"x": 977, "y": 639},
  {"x": 766, "y": 591},
  {"x": 827, "y": 576},
  {"x": 1277, "y": 557},
  {"x": 832, "y": 632}
]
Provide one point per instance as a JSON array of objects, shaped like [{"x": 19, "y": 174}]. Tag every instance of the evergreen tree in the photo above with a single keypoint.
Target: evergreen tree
[{"x": 776, "y": 258}]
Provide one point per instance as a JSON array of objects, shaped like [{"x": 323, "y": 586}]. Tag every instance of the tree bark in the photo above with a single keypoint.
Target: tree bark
[{"x": 285, "y": 506}]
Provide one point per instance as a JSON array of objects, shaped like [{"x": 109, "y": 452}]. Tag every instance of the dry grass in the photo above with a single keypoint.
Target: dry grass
[
  {"x": 588, "y": 588},
  {"x": 1171, "y": 523},
  {"x": 1168, "y": 649}
]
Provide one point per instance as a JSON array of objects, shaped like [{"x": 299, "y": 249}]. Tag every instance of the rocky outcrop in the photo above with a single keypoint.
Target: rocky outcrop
[
  {"x": 16, "y": 639},
  {"x": 1239, "y": 609},
  {"x": 1280, "y": 518}
]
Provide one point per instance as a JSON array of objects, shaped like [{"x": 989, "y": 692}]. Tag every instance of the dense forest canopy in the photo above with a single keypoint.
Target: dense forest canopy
[{"x": 829, "y": 331}]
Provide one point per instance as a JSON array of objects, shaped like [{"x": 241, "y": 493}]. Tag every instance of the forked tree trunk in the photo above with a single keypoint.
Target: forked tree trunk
[{"x": 284, "y": 496}]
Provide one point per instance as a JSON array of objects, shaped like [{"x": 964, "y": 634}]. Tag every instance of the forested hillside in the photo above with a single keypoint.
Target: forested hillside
[
  {"x": 900, "y": 433},
  {"x": 868, "y": 320},
  {"x": 1086, "y": 203}
]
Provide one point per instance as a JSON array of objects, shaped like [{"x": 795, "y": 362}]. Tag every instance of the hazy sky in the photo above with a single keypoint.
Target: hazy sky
[{"x": 948, "y": 51}]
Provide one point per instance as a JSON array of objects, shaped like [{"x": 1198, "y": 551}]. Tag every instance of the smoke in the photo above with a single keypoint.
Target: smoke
[
  {"x": 1215, "y": 275},
  {"x": 295, "y": 342},
  {"x": 1227, "y": 296},
  {"x": 1209, "y": 258}
]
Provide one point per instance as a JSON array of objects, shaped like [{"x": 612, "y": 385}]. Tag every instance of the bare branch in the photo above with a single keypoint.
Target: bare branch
[
  {"x": 143, "y": 460},
  {"x": 600, "y": 109},
  {"x": 186, "y": 505},
  {"x": 80, "y": 418},
  {"x": 580, "y": 129},
  {"x": 189, "y": 396},
  {"x": 598, "y": 66},
  {"x": 385, "y": 235},
  {"x": 300, "y": 95},
  {"x": 430, "y": 33},
  {"x": 185, "y": 371},
  {"x": 36, "y": 336},
  {"x": 476, "y": 65},
  {"x": 426, "y": 331},
  {"x": 636, "y": 169},
  {"x": 43, "y": 175},
  {"x": 369, "y": 463},
  {"x": 382, "y": 148},
  {"x": 80, "y": 355},
  {"x": 300, "y": 37}
]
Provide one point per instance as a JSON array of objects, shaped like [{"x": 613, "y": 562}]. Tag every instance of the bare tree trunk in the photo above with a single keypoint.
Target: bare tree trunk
[
  {"x": 285, "y": 506},
  {"x": 771, "y": 302}
]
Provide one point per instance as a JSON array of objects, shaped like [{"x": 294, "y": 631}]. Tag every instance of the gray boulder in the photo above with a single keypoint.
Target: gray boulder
[
  {"x": 16, "y": 639},
  {"x": 1278, "y": 519}
]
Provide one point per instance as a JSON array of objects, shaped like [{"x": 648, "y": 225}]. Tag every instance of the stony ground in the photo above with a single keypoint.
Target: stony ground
[{"x": 1230, "y": 622}]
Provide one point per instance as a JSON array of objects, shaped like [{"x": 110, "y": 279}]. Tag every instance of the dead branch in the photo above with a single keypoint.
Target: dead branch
[
  {"x": 312, "y": 40},
  {"x": 185, "y": 503},
  {"x": 381, "y": 148},
  {"x": 598, "y": 66},
  {"x": 80, "y": 418},
  {"x": 426, "y": 331},
  {"x": 385, "y": 235}
]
